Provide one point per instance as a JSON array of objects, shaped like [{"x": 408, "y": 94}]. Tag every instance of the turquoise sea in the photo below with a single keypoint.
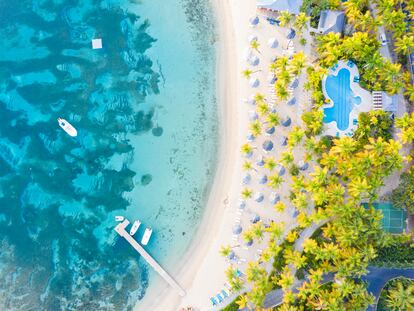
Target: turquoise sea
[{"x": 145, "y": 110}]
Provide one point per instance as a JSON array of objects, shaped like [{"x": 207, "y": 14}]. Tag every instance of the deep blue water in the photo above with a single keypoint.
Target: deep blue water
[
  {"x": 144, "y": 107},
  {"x": 339, "y": 90}
]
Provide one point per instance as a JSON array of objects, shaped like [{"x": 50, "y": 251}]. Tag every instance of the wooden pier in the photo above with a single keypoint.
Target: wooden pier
[{"x": 120, "y": 229}]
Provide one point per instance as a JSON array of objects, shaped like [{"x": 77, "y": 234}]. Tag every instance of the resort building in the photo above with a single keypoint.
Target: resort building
[
  {"x": 291, "y": 6},
  {"x": 331, "y": 21},
  {"x": 346, "y": 99},
  {"x": 382, "y": 101}
]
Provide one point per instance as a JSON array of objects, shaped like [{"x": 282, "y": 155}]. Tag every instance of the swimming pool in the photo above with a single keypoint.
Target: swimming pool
[{"x": 343, "y": 98}]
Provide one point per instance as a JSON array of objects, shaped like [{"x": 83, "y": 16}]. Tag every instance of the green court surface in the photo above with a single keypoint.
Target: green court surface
[{"x": 394, "y": 220}]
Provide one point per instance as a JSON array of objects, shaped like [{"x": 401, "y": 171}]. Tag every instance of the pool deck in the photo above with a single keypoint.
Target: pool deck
[
  {"x": 365, "y": 105},
  {"x": 120, "y": 229}
]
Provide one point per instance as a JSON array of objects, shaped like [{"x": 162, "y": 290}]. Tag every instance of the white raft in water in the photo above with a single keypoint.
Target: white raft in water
[
  {"x": 146, "y": 237},
  {"x": 67, "y": 127},
  {"x": 119, "y": 218},
  {"x": 134, "y": 227}
]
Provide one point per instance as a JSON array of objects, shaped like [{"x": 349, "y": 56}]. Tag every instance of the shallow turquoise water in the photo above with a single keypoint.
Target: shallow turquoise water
[
  {"x": 144, "y": 107},
  {"x": 339, "y": 90}
]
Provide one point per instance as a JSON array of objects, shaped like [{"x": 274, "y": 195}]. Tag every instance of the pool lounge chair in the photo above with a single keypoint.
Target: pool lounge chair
[
  {"x": 355, "y": 121},
  {"x": 224, "y": 293},
  {"x": 213, "y": 301},
  {"x": 356, "y": 79},
  {"x": 334, "y": 67},
  {"x": 350, "y": 64},
  {"x": 219, "y": 298}
]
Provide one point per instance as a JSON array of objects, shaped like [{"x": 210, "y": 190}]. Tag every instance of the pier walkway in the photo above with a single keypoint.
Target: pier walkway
[{"x": 120, "y": 229}]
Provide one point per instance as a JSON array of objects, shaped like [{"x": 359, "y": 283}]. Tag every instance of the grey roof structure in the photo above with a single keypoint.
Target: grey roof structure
[
  {"x": 331, "y": 21},
  {"x": 292, "y": 6}
]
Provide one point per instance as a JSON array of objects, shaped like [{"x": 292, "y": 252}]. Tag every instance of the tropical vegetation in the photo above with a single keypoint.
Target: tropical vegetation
[{"x": 398, "y": 294}]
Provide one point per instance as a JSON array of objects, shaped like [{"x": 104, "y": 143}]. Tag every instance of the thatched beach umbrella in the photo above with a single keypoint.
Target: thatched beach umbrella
[
  {"x": 246, "y": 179},
  {"x": 302, "y": 165},
  {"x": 259, "y": 197},
  {"x": 260, "y": 161},
  {"x": 292, "y": 101},
  {"x": 267, "y": 145},
  {"x": 271, "y": 79},
  {"x": 290, "y": 33},
  {"x": 272, "y": 43},
  {"x": 254, "y": 82},
  {"x": 253, "y": 115},
  {"x": 280, "y": 170},
  {"x": 255, "y": 218},
  {"x": 242, "y": 204},
  {"x": 270, "y": 130},
  {"x": 294, "y": 84},
  {"x": 254, "y": 21},
  {"x": 283, "y": 140},
  {"x": 274, "y": 198},
  {"x": 263, "y": 180},
  {"x": 254, "y": 60},
  {"x": 286, "y": 121},
  {"x": 251, "y": 100},
  {"x": 237, "y": 229}
]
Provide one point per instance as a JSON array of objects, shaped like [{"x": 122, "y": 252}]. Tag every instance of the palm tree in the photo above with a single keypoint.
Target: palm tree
[
  {"x": 404, "y": 45},
  {"x": 409, "y": 91},
  {"x": 247, "y": 73},
  {"x": 274, "y": 181},
  {"x": 256, "y": 128},
  {"x": 246, "y": 149},
  {"x": 401, "y": 297},
  {"x": 225, "y": 250},
  {"x": 255, "y": 45},
  {"x": 301, "y": 21},
  {"x": 262, "y": 108},
  {"x": 286, "y": 157},
  {"x": 285, "y": 18},
  {"x": 247, "y": 166},
  {"x": 246, "y": 193},
  {"x": 280, "y": 206},
  {"x": 272, "y": 119},
  {"x": 242, "y": 302},
  {"x": 270, "y": 163},
  {"x": 297, "y": 63}
]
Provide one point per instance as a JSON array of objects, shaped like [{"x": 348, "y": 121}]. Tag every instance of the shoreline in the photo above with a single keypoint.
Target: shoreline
[{"x": 219, "y": 195}]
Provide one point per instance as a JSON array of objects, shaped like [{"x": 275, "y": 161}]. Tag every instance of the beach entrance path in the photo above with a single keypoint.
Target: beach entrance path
[{"x": 120, "y": 229}]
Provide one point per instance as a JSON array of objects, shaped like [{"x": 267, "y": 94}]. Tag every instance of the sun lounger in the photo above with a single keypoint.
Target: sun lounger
[
  {"x": 356, "y": 79},
  {"x": 219, "y": 298},
  {"x": 224, "y": 293},
  {"x": 213, "y": 301}
]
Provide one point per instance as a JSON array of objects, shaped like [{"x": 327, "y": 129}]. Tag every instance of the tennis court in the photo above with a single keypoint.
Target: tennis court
[{"x": 394, "y": 220}]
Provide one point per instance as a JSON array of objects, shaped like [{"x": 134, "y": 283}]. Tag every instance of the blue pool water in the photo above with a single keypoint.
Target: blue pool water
[
  {"x": 343, "y": 98},
  {"x": 144, "y": 107}
]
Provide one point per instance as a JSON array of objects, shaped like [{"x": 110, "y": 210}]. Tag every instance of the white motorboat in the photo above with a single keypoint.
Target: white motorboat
[
  {"x": 147, "y": 236},
  {"x": 119, "y": 218},
  {"x": 134, "y": 227},
  {"x": 67, "y": 127}
]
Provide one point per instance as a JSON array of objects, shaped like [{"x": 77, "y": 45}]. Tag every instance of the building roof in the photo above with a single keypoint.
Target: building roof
[
  {"x": 292, "y": 6},
  {"x": 331, "y": 21}
]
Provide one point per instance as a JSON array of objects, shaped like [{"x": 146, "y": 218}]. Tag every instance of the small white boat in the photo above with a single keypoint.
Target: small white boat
[
  {"x": 119, "y": 218},
  {"x": 147, "y": 236},
  {"x": 134, "y": 227},
  {"x": 67, "y": 127}
]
